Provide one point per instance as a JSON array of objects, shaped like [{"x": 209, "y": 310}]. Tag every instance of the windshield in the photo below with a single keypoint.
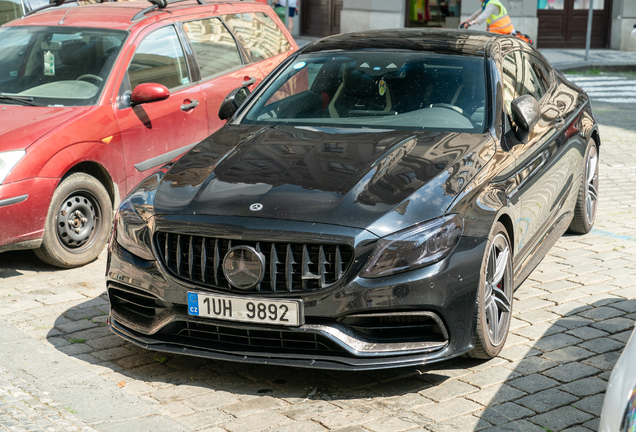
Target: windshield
[
  {"x": 56, "y": 66},
  {"x": 377, "y": 89}
]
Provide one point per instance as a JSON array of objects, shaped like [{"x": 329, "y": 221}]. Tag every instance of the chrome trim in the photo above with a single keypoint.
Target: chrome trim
[
  {"x": 363, "y": 347},
  {"x": 14, "y": 200},
  {"x": 162, "y": 159}
]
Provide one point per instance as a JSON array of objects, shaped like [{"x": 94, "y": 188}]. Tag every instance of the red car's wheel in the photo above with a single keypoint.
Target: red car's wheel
[{"x": 78, "y": 222}]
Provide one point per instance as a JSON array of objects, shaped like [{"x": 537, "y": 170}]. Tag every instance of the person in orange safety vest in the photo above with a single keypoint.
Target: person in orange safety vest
[{"x": 495, "y": 15}]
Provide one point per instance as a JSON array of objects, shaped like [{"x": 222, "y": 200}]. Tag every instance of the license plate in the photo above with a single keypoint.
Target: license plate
[{"x": 254, "y": 310}]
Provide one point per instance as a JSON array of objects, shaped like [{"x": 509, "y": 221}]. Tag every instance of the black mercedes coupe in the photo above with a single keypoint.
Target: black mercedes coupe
[{"x": 374, "y": 203}]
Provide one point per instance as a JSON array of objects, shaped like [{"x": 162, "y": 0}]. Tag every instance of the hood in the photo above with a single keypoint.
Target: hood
[
  {"x": 21, "y": 126},
  {"x": 371, "y": 179}
]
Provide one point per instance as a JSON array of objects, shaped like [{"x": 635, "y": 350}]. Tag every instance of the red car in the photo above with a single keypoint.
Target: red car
[{"x": 93, "y": 97}]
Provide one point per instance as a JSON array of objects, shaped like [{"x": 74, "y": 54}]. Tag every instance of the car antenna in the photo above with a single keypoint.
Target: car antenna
[{"x": 158, "y": 4}]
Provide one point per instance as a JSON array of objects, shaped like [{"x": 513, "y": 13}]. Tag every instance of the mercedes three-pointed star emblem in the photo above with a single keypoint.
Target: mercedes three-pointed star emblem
[{"x": 244, "y": 267}]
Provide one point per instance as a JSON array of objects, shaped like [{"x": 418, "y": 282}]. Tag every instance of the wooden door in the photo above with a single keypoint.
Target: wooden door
[
  {"x": 563, "y": 23},
  {"x": 320, "y": 18}
]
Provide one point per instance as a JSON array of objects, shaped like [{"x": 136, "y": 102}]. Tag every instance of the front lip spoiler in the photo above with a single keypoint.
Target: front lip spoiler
[
  {"x": 444, "y": 352},
  {"x": 348, "y": 340}
]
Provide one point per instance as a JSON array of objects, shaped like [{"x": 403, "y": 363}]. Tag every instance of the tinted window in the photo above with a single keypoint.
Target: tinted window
[
  {"x": 259, "y": 34},
  {"x": 398, "y": 90},
  {"x": 541, "y": 71},
  {"x": 159, "y": 59},
  {"x": 213, "y": 45},
  {"x": 530, "y": 80},
  {"x": 511, "y": 87}
]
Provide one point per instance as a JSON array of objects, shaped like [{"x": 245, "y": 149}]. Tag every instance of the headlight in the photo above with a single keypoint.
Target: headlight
[
  {"x": 8, "y": 160},
  {"x": 131, "y": 231},
  {"x": 414, "y": 247}
]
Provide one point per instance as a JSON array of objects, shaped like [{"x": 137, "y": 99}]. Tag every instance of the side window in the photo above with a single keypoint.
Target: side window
[
  {"x": 213, "y": 45},
  {"x": 542, "y": 72},
  {"x": 259, "y": 34},
  {"x": 531, "y": 84},
  {"x": 159, "y": 59},
  {"x": 510, "y": 80},
  {"x": 299, "y": 83}
]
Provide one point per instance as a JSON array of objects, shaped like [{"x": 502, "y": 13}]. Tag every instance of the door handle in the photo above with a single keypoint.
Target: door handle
[
  {"x": 248, "y": 82},
  {"x": 193, "y": 104},
  {"x": 559, "y": 123}
]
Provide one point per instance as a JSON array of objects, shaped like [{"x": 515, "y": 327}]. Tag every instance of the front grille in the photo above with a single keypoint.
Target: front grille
[
  {"x": 289, "y": 267},
  {"x": 236, "y": 338}
]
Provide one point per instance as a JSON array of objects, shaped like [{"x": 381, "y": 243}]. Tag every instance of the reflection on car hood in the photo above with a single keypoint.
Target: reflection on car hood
[
  {"x": 20, "y": 126},
  {"x": 374, "y": 179}
]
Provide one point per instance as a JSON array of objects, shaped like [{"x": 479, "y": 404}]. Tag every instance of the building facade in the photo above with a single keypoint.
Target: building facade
[{"x": 550, "y": 23}]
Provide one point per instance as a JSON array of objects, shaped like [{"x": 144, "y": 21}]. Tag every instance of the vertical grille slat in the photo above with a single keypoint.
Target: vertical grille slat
[
  {"x": 216, "y": 262},
  {"x": 191, "y": 258},
  {"x": 321, "y": 266},
  {"x": 258, "y": 249},
  {"x": 273, "y": 267},
  {"x": 167, "y": 251},
  {"x": 179, "y": 254},
  {"x": 289, "y": 267},
  {"x": 204, "y": 259}
]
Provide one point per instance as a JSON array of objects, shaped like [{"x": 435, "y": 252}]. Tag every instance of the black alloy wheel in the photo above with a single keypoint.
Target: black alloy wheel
[
  {"x": 78, "y": 222},
  {"x": 494, "y": 296},
  {"x": 587, "y": 201}
]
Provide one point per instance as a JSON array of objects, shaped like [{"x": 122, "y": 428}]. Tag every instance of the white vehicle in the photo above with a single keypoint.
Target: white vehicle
[{"x": 619, "y": 407}]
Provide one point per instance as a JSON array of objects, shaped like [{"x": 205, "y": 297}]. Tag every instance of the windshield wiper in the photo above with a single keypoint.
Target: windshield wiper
[{"x": 22, "y": 99}]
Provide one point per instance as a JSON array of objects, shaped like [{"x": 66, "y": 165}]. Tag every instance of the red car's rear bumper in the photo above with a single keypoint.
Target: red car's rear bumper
[{"x": 23, "y": 209}]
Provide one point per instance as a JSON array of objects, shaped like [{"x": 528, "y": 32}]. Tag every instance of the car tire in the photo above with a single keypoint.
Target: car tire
[
  {"x": 78, "y": 222},
  {"x": 494, "y": 296},
  {"x": 587, "y": 200}
]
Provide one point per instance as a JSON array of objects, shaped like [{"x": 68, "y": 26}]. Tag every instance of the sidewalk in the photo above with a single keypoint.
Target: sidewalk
[
  {"x": 603, "y": 59},
  {"x": 566, "y": 59}
]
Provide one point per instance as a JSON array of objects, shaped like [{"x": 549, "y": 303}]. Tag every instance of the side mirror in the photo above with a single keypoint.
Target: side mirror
[
  {"x": 149, "y": 92},
  {"x": 526, "y": 115},
  {"x": 232, "y": 102}
]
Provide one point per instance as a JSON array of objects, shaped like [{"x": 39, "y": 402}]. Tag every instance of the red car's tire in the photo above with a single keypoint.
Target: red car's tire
[{"x": 78, "y": 222}]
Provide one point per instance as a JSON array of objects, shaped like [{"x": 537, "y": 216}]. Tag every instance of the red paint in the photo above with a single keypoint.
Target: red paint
[
  {"x": 149, "y": 92},
  {"x": 57, "y": 139}
]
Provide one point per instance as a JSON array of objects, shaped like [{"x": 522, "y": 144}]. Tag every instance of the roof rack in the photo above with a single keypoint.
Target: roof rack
[{"x": 160, "y": 4}]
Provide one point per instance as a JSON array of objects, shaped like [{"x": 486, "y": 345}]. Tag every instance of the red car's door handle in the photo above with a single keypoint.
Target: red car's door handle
[
  {"x": 188, "y": 106},
  {"x": 249, "y": 82}
]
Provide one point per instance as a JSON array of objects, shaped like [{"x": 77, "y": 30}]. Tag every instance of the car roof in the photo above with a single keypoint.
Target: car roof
[
  {"x": 441, "y": 41},
  {"x": 119, "y": 15}
]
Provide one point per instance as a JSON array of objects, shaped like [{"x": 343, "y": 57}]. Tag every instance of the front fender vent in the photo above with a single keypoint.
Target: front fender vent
[{"x": 289, "y": 267}]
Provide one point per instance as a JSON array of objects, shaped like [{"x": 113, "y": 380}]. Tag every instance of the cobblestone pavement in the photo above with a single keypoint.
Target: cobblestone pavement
[
  {"x": 572, "y": 317},
  {"x": 25, "y": 407}
]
